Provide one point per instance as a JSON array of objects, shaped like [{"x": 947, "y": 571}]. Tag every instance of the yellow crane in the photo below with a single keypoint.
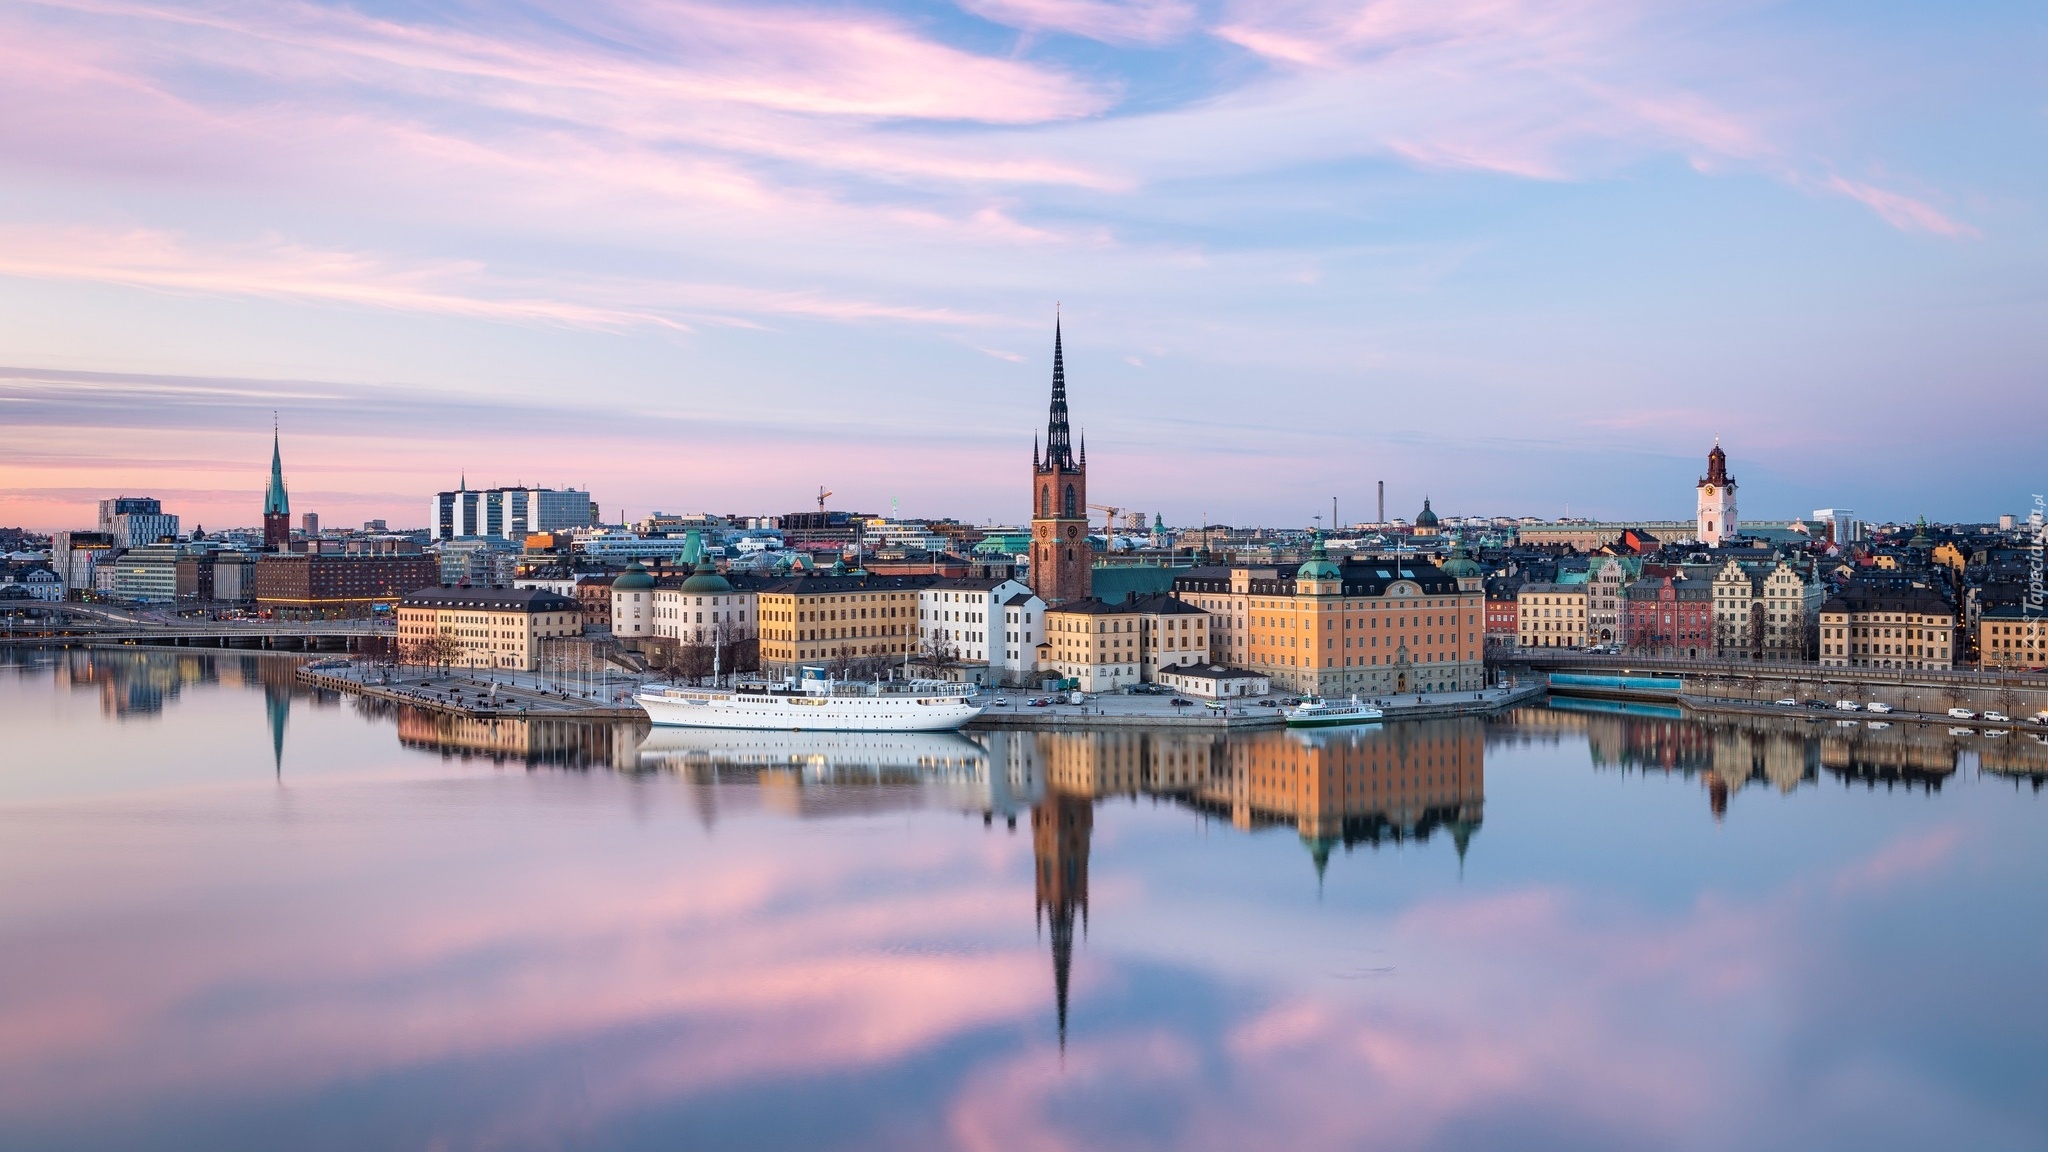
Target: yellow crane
[
  {"x": 822, "y": 496},
  {"x": 1109, "y": 512}
]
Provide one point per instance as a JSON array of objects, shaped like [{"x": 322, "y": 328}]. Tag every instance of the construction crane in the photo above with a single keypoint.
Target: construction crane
[
  {"x": 822, "y": 496},
  {"x": 1109, "y": 512}
]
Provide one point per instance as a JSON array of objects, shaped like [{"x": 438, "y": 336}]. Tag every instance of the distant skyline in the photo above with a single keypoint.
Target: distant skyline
[{"x": 1519, "y": 256}]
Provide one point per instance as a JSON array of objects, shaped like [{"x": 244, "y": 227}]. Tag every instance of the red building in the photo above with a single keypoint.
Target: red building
[
  {"x": 1502, "y": 622},
  {"x": 1669, "y": 617}
]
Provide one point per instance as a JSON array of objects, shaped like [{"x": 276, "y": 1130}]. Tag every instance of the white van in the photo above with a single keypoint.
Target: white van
[
  {"x": 1961, "y": 714},
  {"x": 1848, "y": 706},
  {"x": 1879, "y": 707}
]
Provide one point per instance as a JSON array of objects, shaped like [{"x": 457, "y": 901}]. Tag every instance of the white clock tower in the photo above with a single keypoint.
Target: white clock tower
[{"x": 1717, "y": 501}]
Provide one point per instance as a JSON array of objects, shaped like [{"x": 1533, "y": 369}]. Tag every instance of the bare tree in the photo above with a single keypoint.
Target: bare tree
[{"x": 440, "y": 649}]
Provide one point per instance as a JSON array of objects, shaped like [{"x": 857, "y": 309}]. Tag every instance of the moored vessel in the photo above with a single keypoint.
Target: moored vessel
[
  {"x": 1320, "y": 713},
  {"x": 814, "y": 701}
]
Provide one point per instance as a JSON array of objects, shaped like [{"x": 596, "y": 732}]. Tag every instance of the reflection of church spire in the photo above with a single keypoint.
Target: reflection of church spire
[
  {"x": 277, "y": 702},
  {"x": 1060, "y": 829}
]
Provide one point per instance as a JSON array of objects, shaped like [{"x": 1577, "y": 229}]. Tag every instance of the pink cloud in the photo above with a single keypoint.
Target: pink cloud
[{"x": 1899, "y": 210}]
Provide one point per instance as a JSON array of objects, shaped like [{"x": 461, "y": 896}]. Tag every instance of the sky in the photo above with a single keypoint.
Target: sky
[{"x": 1525, "y": 257}]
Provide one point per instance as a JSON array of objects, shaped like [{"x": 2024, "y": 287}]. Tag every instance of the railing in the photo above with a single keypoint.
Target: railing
[{"x": 1797, "y": 669}]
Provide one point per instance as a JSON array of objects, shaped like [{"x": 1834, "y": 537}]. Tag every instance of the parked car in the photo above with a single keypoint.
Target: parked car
[
  {"x": 1041, "y": 702},
  {"x": 1816, "y": 704},
  {"x": 1848, "y": 705},
  {"x": 1998, "y": 717},
  {"x": 1961, "y": 714},
  {"x": 1787, "y": 702},
  {"x": 1214, "y": 705},
  {"x": 1178, "y": 702},
  {"x": 1878, "y": 706},
  {"x": 2041, "y": 717},
  {"x": 999, "y": 702}
]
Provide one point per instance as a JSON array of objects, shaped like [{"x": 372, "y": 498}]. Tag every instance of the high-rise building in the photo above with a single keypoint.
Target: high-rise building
[
  {"x": 135, "y": 521},
  {"x": 309, "y": 523},
  {"x": 508, "y": 513},
  {"x": 277, "y": 508},
  {"x": 1062, "y": 567},
  {"x": 1717, "y": 501}
]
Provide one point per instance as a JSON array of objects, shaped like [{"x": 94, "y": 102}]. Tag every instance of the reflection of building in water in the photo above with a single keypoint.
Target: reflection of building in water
[
  {"x": 1061, "y": 825},
  {"x": 1909, "y": 757},
  {"x": 563, "y": 743},
  {"x": 2020, "y": 756},
  {"x": 1125, "y": 763},
  {"x": 1372, "y": 785}
]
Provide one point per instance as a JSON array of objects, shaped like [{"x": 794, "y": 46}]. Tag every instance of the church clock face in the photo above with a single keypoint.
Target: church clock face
[
  {"x": 1072, "y": 532},
  {"x": 1710, "y": 489}
]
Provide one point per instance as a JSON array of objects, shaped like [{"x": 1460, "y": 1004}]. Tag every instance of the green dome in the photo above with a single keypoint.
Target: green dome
[
  {"x": 634, "y": 579},
  {"x": 1319, "y": 565},
  {"x": 1425, "y": 518},
  {"x": 706, "y": 580},
  {"x": 1460, "y": 562}
]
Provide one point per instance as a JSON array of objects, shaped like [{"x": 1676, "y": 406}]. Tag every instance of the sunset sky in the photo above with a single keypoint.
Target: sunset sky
[{"x": 1524, "y": 257}]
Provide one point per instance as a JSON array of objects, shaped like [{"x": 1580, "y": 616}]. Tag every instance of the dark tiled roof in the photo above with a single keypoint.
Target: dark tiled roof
[{"x": 491, "y": 600}]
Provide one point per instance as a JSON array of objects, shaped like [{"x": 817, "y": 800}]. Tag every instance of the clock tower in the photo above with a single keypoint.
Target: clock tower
[
  {"x": 1717, "y": 501},
  {"x": 1061, "y": 565}
]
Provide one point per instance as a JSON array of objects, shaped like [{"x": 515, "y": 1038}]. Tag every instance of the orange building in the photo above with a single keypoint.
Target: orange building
[{"x": 1366, "y": 626}]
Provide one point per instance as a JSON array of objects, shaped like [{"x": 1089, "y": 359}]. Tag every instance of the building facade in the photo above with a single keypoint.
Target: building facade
[
  {"x": 483, "y": 627},
  {"x": 1670, "y": 617},
  {"x": 836, "y": 620},
  {"x": 1365, "y": 626},
  {"x": 1715, "y": 523},
  {"x": 1764, "y": 614},
  {"x": 1062, "y": 563},
  {"x": 305, "y": 582},
  {"x": 136, "y": 521},
  {"x": 507, "y": 513},
  {"x": 1607, "y": 578},
  {"x": 1888, "y": 627},
  {"x": 1102, "y": 647},
  {"x": 999, "y": 623},
  {"x": 2012, "y": 637},
  {"x": 1552, "y": 615}
]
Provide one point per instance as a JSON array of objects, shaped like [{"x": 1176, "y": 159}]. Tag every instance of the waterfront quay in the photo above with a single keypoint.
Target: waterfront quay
[{"x": 501, "y": 694}]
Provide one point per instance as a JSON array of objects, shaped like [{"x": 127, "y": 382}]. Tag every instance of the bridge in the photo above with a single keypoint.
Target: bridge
[
  {"x": 1753, "y": 681},
  {"x": 69, "y": 625}
]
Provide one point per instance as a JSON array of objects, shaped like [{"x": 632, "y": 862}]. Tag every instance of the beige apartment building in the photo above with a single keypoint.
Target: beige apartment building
[
  {"x": 1103, "y": 647},
  {"x": 1552, "y": 616},
  {"x": 2011, "y": 637},
  {"x": 483, "y": 627},
  {"x": 1866, "y": 627}
]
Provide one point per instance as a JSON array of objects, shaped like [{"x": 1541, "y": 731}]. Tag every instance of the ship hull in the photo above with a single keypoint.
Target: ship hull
[{"x": 800, "y": 713}]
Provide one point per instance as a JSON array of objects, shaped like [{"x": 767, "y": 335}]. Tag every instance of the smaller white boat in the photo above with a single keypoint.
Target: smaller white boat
[{"x": 1319, "y": 713}]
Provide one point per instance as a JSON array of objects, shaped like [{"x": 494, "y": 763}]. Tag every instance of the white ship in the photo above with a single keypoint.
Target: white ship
[
  {"x": 1320, "y": 713},
  {"x": 815, "y": 702}
]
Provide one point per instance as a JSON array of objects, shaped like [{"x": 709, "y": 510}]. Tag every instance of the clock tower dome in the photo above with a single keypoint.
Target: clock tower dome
[{"x": 1716, "y": 523}]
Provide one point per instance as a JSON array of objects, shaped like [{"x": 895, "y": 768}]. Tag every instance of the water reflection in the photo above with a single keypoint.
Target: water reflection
[{"x": 670, "y": 938}]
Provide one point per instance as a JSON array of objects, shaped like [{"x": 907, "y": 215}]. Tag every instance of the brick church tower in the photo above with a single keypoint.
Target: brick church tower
[{"x": 1061, "y": 566}]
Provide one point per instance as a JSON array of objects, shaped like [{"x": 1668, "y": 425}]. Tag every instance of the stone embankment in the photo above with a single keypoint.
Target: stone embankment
[{"x": 466, "y": 694}]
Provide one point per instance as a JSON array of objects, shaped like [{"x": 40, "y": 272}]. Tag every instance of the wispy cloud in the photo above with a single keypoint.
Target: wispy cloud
[{"x": 1112, "y": 21}]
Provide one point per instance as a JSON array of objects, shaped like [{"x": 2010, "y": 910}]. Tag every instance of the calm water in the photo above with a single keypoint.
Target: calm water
[{"x": 237, "y": 915}]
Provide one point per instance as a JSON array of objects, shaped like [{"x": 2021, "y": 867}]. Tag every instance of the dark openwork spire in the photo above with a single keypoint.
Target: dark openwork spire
[{"x": 1059, "y": 444}]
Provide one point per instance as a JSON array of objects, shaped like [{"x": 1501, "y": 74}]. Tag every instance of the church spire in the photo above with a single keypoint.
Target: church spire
[
  {"x": 1059, "y": 448},
  {"x": 275, "y": 503}
]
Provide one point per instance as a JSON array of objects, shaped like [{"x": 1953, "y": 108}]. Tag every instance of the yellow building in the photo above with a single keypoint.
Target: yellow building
[
  {"x": 483, "y": 627},
  {"x": 822, "y": 619},
  {"x": 1103, "y": 647},
  {"x": 1551, "y": 616},
  {"x": 1872, "y": 627},
  {"x": 1384, "y": 626},
  {"x": 2011, "y": 637}
]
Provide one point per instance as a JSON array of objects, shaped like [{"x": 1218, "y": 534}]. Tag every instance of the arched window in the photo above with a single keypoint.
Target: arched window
[
  {"x": 1070, "y": 513},
  {"x": 1044, "y": 500}
]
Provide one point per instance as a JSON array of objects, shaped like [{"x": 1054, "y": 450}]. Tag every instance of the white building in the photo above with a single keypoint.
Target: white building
[
  {"x": 135, "y": 521},
  {"x": 999, "y": 623},
  {"x": 508, "y": 513}
]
